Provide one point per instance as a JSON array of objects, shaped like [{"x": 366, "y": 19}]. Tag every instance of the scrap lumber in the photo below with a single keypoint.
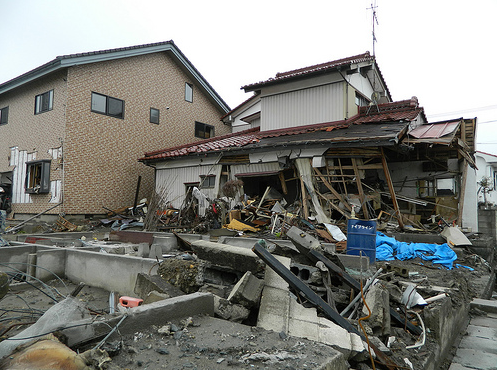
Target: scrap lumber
[{"x": 391, "y": 189}]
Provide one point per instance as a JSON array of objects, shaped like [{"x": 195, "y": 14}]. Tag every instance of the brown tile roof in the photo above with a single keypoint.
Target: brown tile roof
[{"x": 404, "y": 110}]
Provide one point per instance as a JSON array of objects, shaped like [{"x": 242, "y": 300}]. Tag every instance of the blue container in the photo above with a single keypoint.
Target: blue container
[{"x": 361, "y": 238}]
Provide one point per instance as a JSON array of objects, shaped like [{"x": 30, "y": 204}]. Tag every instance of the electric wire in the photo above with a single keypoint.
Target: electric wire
[{"x": 42, "y": 268}]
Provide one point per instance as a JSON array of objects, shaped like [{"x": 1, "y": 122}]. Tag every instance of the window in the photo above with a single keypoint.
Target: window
[
  {"x": 360, "y": 100},
  {"x": 207, "y": 181},
  {"x": 44, "y": 102},
  {"x": 107, "y": 105},
  {"x": 4, "y": 115},
  {"x": 37, "y": 177},
  {"x": 203, "y": 130},
  {"x": 188, "y": 92},
  {"x": 154, "y": 115}
]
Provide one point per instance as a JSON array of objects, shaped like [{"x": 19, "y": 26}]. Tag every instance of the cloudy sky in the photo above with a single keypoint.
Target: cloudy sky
[{"x": 442, "y": 51}]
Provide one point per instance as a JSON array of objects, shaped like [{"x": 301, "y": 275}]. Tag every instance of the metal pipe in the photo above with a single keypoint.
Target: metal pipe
[{"x": 358, "y": 296}]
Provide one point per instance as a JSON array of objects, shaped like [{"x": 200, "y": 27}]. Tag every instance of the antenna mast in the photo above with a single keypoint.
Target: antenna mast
[{"x": 374, "y": 20}]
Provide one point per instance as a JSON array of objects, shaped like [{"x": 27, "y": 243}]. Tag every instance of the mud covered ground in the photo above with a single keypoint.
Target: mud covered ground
[{"x": 211, "y": 343}]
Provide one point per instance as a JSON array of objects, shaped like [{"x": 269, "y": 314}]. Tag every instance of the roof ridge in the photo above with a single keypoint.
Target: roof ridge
[
  {"x": 113, "y": 50},
  {"x": 321, "y": 65}
]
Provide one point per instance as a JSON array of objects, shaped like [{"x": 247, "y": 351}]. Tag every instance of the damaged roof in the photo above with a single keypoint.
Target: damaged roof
[
  {"x": 383, "y": 128},
  {"x": 318, "y": 69},
  {"x": 70, "y": 60}
]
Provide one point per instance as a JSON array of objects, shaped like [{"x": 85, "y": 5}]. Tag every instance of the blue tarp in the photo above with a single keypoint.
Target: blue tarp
[{"x": 388, "y": 249}]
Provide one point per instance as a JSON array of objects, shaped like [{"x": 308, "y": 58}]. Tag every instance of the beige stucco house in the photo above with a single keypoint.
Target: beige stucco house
[{"x": 71, "y": 130}]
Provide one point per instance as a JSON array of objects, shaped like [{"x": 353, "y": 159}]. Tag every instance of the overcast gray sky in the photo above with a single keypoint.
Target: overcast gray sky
[{"x": 442, "y": 51}]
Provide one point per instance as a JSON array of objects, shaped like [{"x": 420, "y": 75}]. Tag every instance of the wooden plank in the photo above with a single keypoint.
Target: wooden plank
[
  {"x": 283, "y": 183},
  {"x": 392, "y": 190},
  {"x": 463, "y": 191},
  {"x": 304, "y": 198},
  {"x": 360, "y": 189},
  {"x": 333, "y": 191},
  {"x": 344, "y": 214}
]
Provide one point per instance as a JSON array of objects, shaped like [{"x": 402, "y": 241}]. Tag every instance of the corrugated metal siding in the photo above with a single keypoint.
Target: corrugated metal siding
[
  {"x": 307, "y": 106},
  {"x": 18, "y": 158},
  {"x": 174, "y": 179},
  {"x": 254, "y": 167}
]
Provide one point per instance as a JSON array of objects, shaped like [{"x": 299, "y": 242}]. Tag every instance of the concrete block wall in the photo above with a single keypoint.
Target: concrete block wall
[
  {"x": 487, "y": 223},
  {"x": 107, "y": 271}
]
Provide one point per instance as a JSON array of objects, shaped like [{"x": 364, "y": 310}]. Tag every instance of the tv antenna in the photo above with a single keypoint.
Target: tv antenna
[{"x": 374, "y": 20}]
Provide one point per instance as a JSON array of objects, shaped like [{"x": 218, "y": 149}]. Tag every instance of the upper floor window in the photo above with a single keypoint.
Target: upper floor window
[
  {"x": 107, "y": 105},
  {"x": 360, "y": 100},
  {"x": 154, "y": 115},
  {"x": 203, "y": 130},
  {"x": 188, "y": 92},
  {"x": 38, "y": 177},
  {"x": 44, "y": 102},
  {"x": 4, "y": 116}
]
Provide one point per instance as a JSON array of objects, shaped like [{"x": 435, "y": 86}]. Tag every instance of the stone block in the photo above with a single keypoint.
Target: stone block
[
  {"x": 143, "y": 250},
  {"x": 229, "y": 311},
  {"x": 155, "y": 252},
  {"x": 247, "y": 291},
  {"x": 148, "y": 283},
  {"x": 155, "y": 296},
  {"x": 378, "y": 301},
  {"x": 274, "y": 309},
  {"x": 237, "y": 258}
]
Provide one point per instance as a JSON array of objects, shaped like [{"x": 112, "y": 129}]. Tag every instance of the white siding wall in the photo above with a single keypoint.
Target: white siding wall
[
  {"x": 18, "y": 159},
  {"x": 173, "y": 181},
  {"x": 303, "y": 107}
]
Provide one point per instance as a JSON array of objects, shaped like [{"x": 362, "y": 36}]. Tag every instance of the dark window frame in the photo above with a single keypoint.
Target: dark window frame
[
  {"x": 200, "y": 130},
  {"x": 207, "y": 181},
  {"x": 108, "y": 101},
  {"x": 188, "y": 92},
  {"x": 152, "y": 117},
  {"x": 4, "y": 115},
  {"x": 44, "y": 102},
  {"x": 38, "y": 177}
]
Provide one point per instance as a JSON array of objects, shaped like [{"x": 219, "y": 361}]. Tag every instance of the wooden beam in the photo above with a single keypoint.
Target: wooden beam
[
  {"x": 392, "y": 190},
  {"x": 304, "y": 199},
  {"x": 360, "y": 189},
  {"x": 344, "y": 214},
  {"x": 283, "y": 183},
  {"x": 333, "y": 191},
  {"x": 463, "y": 191}
]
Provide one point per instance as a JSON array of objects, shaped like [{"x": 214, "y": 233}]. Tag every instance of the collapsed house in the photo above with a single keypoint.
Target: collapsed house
[{"x": 385, "y": 162}]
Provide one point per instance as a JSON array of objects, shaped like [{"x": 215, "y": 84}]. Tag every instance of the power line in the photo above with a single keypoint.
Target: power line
[{"x": 488, "y": 107}]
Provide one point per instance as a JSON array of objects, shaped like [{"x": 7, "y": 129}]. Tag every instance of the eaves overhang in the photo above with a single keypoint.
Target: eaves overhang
[{"x": 71, "y": 60}]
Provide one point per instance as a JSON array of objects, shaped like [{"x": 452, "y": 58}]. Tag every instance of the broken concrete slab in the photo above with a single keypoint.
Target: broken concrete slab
[
  {"x": 378, "y": 301},
  {"x": 230, "y": 311},
  {"x": 247, "y": 291},
  {"x": 237, "y": 258},
  {"x": 147, "y": 283},
  {"x": 155, "y": 296}
]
